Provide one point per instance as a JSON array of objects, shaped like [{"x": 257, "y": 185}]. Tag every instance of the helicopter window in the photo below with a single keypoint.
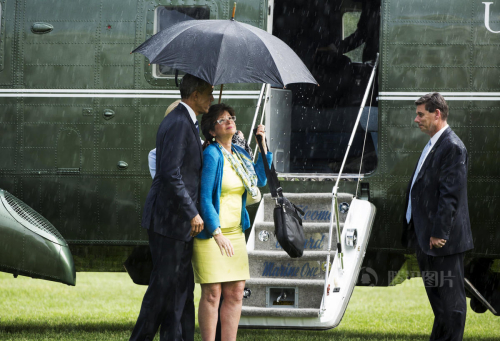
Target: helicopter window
[
  {"x": 338, "y": 45},
  {"x": 349, "y": 25},
  {"x": 168, "y": 16}
]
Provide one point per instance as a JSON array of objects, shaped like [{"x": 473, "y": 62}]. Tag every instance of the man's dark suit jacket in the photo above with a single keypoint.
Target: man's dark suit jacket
[
  {"x": 439, "y": 199},
  {"x": 172, "y": 200}
]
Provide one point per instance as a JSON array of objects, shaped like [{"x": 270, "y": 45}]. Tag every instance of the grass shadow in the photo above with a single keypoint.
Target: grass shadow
[
  {"x": 88, "y": 327},
  {"x": 243, "y": 334},
  {"x": 66, "y": 327},
  {"x": 263, "y": 334}
]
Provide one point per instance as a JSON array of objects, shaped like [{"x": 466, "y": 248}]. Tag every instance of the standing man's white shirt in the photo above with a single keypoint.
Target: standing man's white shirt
[
  {"x": 152, "y": 162},
  {"x": 434, "y": 139},
  {"x": 427, "y": 149}
]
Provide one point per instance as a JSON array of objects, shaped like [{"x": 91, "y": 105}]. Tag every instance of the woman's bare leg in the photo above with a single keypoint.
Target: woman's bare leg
[
  {"x": 208, "y": 310},
  {"x": 230, "y": 310}
]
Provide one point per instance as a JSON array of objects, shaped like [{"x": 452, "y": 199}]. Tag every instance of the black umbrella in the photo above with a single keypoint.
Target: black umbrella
[{"x": 226, "y": 51}]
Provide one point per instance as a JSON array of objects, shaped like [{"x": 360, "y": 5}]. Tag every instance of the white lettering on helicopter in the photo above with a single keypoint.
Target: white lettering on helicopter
[{"x": 487, "y": 17}]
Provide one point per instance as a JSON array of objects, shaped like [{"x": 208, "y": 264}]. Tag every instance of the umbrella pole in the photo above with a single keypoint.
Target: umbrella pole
[
  {"x": 222, "y": 85},
  {"x": 234, "y": 11},
  {"x": 220, "y": 93}
]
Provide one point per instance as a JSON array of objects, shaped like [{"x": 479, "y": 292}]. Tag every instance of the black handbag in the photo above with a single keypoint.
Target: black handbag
[{"x": 287, "y": 221}]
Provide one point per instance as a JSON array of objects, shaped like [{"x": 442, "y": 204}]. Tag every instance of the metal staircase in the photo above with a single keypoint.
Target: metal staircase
[
  {"x": 313, "y": 291},
  {"x": 285, "y": 287}
]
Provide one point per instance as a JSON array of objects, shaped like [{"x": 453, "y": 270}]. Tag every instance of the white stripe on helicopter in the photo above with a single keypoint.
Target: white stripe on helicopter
[
  {"x": 449, "y": 96},
  {"x": 116, "y": 93}
]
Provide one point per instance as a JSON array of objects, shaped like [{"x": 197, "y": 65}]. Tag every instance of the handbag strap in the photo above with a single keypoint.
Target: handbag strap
[{"x": 272, "y": 177}]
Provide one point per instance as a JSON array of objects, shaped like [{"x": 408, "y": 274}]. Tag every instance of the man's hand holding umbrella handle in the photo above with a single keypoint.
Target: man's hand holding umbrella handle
[
  {"x": 196, "y": 225},
  {"x": 437, "y": 243}
]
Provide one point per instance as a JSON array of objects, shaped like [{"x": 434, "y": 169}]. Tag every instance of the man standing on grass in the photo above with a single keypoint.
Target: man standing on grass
[
  {"x": 436, "y": 220},
  {"x": 172, "y": 219}
]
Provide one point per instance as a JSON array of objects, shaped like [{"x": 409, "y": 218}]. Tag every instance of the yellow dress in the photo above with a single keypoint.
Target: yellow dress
[{"x": 209, "y": 265}]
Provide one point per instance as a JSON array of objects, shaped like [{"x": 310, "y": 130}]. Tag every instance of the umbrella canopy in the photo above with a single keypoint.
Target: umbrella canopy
[{"x": 226, "y": 51}]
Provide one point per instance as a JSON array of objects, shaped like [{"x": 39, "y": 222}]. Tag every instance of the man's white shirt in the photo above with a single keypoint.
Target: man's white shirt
[
  {"x": 434, "y": 139},
  {"x": 427, "y": 149},
  {"x": 191, "y": 112}
]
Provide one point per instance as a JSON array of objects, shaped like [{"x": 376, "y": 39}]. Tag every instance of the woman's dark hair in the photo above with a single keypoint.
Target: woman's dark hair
[{"x": 209, "y": 120}]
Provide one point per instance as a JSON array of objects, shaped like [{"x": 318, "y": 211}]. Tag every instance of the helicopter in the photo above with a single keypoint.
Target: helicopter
[{"x": 80, "y": 115}]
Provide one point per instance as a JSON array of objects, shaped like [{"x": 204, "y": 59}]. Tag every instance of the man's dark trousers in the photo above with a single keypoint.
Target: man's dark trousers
[
  {"x": 443, "y": 278},
  {"x": 171, "y": 284},
  {"x": 170, "y": 206}
]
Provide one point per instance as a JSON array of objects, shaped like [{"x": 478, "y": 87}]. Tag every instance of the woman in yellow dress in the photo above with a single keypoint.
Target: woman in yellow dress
[{"x": 220, "y": 260}]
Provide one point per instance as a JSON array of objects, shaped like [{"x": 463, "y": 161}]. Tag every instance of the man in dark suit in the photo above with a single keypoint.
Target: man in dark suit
[
  {"x": 436, "y": 220},
  {"x": 172, "y": 219}
]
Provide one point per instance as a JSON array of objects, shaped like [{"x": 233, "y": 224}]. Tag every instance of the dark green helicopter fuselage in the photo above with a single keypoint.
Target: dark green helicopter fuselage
[{"x": 80, "y": 112}]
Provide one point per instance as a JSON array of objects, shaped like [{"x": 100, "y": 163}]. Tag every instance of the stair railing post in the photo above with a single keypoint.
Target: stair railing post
[
  {"x": 335, "y": 206},
  {"x": 328, "y": 249},
  {"x": 263, "y": 114},
  {"x": 250, "y": 133}
]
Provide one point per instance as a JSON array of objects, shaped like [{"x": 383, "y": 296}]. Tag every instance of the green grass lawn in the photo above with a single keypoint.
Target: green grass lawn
[{"x": 104, "y": 306}]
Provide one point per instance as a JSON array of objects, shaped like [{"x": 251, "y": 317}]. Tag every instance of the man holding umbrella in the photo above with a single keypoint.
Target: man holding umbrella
[{"x": 172, "y": 219}]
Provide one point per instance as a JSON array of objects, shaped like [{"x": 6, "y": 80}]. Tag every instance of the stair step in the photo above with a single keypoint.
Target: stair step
[
  {"x": 277, "y": 264},
  {"x": 279, "y": 312},
  {"x": 285, "y": 282},
  {"x": 309, "y": 292},
  {"x": 316, "y": 237},
  {"x": 316, "y": 206}
]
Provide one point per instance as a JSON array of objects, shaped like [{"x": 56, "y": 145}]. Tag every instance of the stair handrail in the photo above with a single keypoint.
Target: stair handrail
[
  {"x": 335, "y": 206},
  {"x": 261, "y": 95},
  {"x": 263, "y": 114}
]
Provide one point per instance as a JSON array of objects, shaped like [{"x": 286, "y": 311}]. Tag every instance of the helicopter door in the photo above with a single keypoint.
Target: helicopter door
[{"x": 69, "y": 152}]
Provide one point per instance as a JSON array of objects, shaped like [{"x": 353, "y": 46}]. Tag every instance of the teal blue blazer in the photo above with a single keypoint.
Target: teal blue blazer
[{"x": 211, "y": 181}]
